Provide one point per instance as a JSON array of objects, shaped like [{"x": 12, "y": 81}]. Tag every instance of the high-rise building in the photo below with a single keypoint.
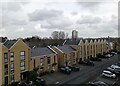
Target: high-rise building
[{"x": 74, "y": 34}]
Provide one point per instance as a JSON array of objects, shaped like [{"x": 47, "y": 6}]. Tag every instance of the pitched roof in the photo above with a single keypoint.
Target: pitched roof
[
  {"x": 9, "y": 43},
  {"x": 72, "y": 42},
  {"x": 66, "y": 48},
  {"x": 41, "y": 51}
]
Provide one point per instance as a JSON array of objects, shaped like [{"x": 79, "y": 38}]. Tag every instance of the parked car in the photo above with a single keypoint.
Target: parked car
[
  {"x": 73, "y": 68},
  {"x": 118, "y": 64},
  {"x": 97, "y": 83},
  {"x": 115, "y": 66},
  {"x": 87, "y": 62},
  {"x": 40, "y": 81},
  {"x": 96, "y": 59},
  {"x": 65, "y": 70},
  {"x": 30, "y": 83},
  {"x": 115, "y": 71},
  {"x": 108, "y": 55},
  {"x": 114, "y": 53},
  {"x": 108, "y": 74}
]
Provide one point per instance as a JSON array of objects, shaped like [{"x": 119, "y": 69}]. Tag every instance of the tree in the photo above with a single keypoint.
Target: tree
[
  {"x": 55, "y": 35},
  {"x": 61, "y": 35},
  {"x": 58, "y": 35},
  {"x": 33, "y": 75}
]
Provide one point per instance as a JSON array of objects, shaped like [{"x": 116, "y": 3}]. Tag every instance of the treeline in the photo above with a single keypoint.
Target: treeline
[{"x": 38, "y": 42}]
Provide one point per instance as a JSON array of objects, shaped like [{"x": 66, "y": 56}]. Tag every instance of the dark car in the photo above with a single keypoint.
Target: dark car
[
  {"x": 96, "y": 59},
  {"x": 73, "y": 68},
  {"x": 40, "y": 81},
  {"x": 87, "y": 62},
  {"x": 65, "y": 70},
  {"x": 98, "y": 83}
]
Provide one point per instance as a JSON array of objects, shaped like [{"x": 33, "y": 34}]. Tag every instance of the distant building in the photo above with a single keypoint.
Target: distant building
[{"x": 74, "y": 34}]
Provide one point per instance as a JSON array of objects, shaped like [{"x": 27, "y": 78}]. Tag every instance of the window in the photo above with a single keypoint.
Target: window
[
  {"x": 22, "y": 66},
  {"x": 12, "y": 68},
  {"x": 41, "y": 62},
  {"x": 6, "y": 81},
  {"x": 11, "y": 56},
  {"x": 6, "y": 69},
  {"x": 22, "y": 55},
  {"x": 12, "y": 78},
  {"x": 6, "y": 57},
  {"x": 48, "y": 60}
]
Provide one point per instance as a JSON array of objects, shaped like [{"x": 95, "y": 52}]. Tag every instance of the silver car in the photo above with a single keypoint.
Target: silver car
[{"x": 108, "y": 74}]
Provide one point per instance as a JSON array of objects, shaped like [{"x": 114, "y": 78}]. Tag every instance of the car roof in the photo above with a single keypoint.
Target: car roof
[{"x": 107, "y": 71}]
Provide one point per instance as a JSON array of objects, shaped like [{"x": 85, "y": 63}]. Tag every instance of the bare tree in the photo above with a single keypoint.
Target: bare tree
[
  {"x": 61, "y": 35},
  {"x": 55, "y": 35},
  {"x": 58, "y": 35}
]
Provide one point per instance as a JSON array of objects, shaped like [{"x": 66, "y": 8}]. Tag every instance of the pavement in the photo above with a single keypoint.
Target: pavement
[{"x": 86, "y": 73}]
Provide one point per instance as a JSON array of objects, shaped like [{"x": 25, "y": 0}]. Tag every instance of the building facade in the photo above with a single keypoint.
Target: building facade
[
  {"x": 14, "y": 61},
  {"x": 66, "y": 55},
  {"x": 45, "y": 59}
]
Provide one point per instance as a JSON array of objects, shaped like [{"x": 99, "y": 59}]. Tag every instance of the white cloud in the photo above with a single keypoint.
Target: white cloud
[{"x": 39, "y": 28}]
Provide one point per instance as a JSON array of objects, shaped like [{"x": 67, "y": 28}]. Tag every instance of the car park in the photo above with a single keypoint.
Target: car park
[
  {"x": 73, "y": 68},
  {"x": 65, "y": 70},
  {"x": 108, "y": 74},
  {"x": 97, "y": 83}
]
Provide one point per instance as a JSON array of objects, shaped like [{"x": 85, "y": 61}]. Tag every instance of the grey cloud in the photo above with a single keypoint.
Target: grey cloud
[
  {"x": 44, "y": 14},
  {"x": 74, "y": 13},
  {"x": 85, "y": 19},
  {"x": 19, "y": 22},
  {"x": 89, "y": 5},
  {"x": 59, "y": 23},
  {"x": 11, "y": 6}
]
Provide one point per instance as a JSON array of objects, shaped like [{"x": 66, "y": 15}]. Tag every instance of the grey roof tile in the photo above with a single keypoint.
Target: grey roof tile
[
  {"x": 41, "y": 51},
  {"x": 66, "y": 48},
  {"x": 72, "y": 42},
  {"x": 9, "y": 43}
]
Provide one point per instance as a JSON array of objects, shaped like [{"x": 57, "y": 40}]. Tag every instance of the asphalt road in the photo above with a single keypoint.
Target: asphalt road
[{"x": 89, "y": 73}]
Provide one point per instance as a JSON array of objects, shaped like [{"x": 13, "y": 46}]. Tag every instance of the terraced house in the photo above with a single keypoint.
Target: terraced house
[
  {"x": 14, "y": 61},
  {"x": 87, "y": 48},
  {"x": 45, "y": 59},
  {"x": 66, "y": 55}
]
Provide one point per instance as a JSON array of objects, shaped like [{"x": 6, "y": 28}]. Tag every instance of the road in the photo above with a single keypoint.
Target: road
[{"x": 90, "y": 73}]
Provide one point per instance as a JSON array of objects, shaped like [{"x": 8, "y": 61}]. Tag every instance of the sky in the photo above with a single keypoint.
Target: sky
[{"x": 26, "y": 18}]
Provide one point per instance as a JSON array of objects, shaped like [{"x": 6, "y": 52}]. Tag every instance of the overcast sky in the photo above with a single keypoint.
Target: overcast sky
[{"x": 42, "y": 17}]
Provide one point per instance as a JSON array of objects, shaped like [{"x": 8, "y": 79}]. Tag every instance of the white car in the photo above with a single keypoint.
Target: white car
[
  {"x": 114, "y": 53},
  {"x": 108, "y": 55},
  {"x": 108, "y": 74},
  {"x": 115, "y": 66}
]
